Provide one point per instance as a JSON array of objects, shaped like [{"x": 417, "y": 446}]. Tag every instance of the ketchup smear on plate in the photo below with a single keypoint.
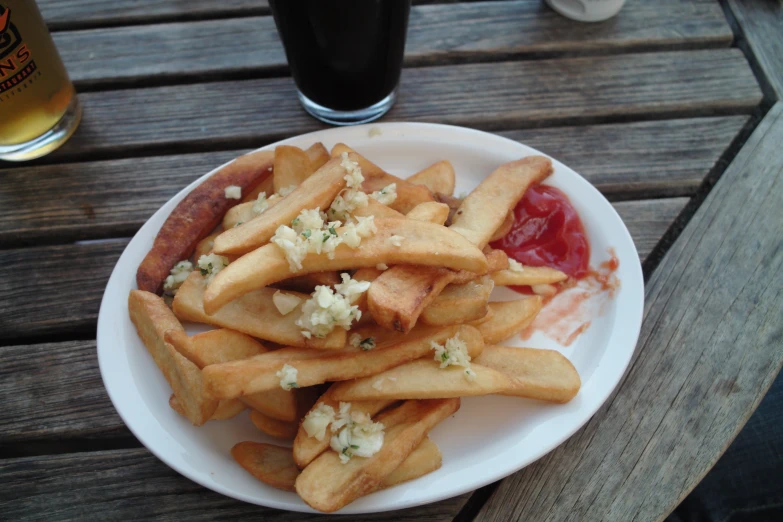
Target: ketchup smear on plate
[{"x": 547, "y": 231}]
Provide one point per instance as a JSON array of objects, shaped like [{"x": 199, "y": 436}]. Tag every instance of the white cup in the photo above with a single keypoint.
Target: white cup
[{"x": 587, "y": 10}]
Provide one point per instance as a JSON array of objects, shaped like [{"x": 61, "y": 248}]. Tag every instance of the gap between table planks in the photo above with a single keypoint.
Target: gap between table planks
[{"x": 708, "y": 351}]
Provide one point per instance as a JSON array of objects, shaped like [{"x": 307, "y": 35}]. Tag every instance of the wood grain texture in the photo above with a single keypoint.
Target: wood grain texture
[
  {"x": 212, "y": 49},
  {"x": 113, "y": 198},
  {"x": 134, "y": 485},
  {"x": 761, "y": 22},
  {"x": 490, "y": 96},
  {"x": 53, "y": 391},
  {"x": 710, "y": 347},
  {"x": 648, "y": 220}
]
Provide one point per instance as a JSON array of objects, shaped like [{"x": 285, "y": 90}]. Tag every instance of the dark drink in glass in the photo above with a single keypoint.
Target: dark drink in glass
[{"x": 345, "y": 55}]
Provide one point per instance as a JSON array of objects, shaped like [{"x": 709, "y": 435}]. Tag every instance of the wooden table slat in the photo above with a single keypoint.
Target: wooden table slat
[
  {"x": 113, "y": 198},
  {"x": 708, "y": 351},
  {"x": 133, "y": 484},
  {"x": 212, "y": 49},
  {"x": 493, "y": 96}
]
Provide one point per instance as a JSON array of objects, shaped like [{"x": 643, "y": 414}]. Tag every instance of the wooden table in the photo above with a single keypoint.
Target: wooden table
[{"x": 671, "y": 109}]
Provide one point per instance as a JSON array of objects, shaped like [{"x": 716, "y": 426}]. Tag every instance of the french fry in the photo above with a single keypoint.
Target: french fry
[
  {"x": 430, "y": 211},
  {"x": 504, "y": 228},
  {"x": 377, "y": 209},
  {"x": 530, "y": 275},
  {"x": 545, "y": 375},
  {"x": 316, "y": 191},
  {"x": 307, "y": 448},
  {"x": 204, "y": 246},
  {"x": 508, "y": 318},
  {"x": 242, "y": 213},
  {"x": 424, "y": 379},
  {"x": 452, "y": 202},
  {"x": 274, "y": 427},
  {"x": 490, "y": 313},
  {"x": 306, "y": 284},
  {"x": 265, "y": 186},
  {"x": 223, "y": 345},
  {"x": 225, "y": 409},
  {"x": 274, "y": 466},
  {"x": 496, "y": 260},
  {"x": 233, "y": 379},
  {"x": 459, "y": 304},
  {"x": 328, "y": 485},
  {"x": 318, "y": 155},
  {"x": 153, "y": 319},
  {"x": 438, "y": 177},
  {"x": 254, "y": 314},
  {"x": 292, "y": 167},
  {"x": 483, "y": 211},
  {"x": 423, "y": 244},
  {"x": 196, "y": 216},
  {"x": 375, "y": 178}
]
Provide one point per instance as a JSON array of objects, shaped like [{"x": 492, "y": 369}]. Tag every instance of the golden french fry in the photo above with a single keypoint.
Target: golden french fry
[
  {"x": 483, "y": 211},
  {"x": 377, "y": 209},
  {"x": 270, "y": 464},
  {"x": 307, "y": 448},
  {"x": 423, "y": 244},
  {"x": 225, "y": 409},
  {"x": 545, "y": 375},
  {"x": 490, "y": 313},
  {"x": 244, "y": 212},
  {"x": 424, "y": 379},
  {"x": 318, "y": 155},
  {"x": 399, "y": 295},
  {"x": 530, "y": 275},
  {"x": 453, "y": 204},
  {"x": 274, "y": 427},
  {"x": 438, "y": 177},
  {"x": 254, "y": 314},
  {"x": 316, "y": 191},
  {"x": 153, "y": 319},
  {"x": 430, "y": 211},
  {"x": 233, "y": 379},
  {"x": 459, "y": 304},
  {"x": 496, "y": 260},
  {"x": 508, "y": 318},
  {"x": 327, "y": 484},
  {"x": 504, "y": 228},
  {"x": 204, "y": 246},
  {"x": 223, "y": 345},
  {"x": 264, "y": 186},
  {"x": 307, "y": 283},
  {"x": 292, "y": 167},
  {"x": 375, "y": 178},
  {"x": 426, "y": 458}
]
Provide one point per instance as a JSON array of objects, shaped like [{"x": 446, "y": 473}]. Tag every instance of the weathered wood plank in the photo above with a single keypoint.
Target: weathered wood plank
[
  {"x": 133, "y": 485},
  {"x": 708, "y": 351},
  {"x": 761, "y": 22},
  {"x": 437, "y": 34},
  {"x": 491, "y": 96},
  {"x": 113, "y": 198}
]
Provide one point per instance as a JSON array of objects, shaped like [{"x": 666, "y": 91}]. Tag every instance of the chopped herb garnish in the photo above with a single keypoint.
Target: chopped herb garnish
[
  {"x": 332, "y": 231},
  {"x": 326, "y": 238},
  {"x": 354, "y": 446},
  {"x": 204, "y": 271},
  {"x": 238, "y": 223},
  {"x": 367, "y": 344},
  {"x": 295, "y": 221},
  {"x": 293, "y": 385},
  {"x": 444, "y": 356},
  {"x": 306, "y": 233}
]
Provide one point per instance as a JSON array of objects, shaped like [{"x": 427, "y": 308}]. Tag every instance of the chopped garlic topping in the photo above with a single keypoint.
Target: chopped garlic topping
[
  {"x": 354, "y": 178},
  {"x": 284, "y": 191},
  {"x": 352, "y": 197},
  {"x": 233, "y": 192},
  {"x": 358, "y": 435},
  {"x": 261, "y": 204},
  {"x": 179, "y": 273},
  {"x": 351, "y": 288},
  {"x": 211, "y": 264},
  {"x": 374, "y": 131},
  {"x": 317, "y": 421},
  {"x": 285, "y": 303},
  {"x": 325, "y": 310},
  {"x": 287, "y": 375},
  {"x": 382, "y": 266},
  {"x": 378, "y": 384},
  {"x": 387, "y": 195},
  {"x": 396, "y": 240},
  {"x": 454, "y": 353},
  {"x": 365, "y": 344},
  {"x": 515, "y": 266}
]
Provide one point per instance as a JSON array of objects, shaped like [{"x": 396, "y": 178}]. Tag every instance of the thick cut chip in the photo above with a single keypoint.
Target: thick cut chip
[
  {"x": 196, "y": 216},
  {"x": 529, "y": 276},
  {"x": 496, "y": 260},
  {"x": 259, "y": 373},
  {"x": 153, "y": 319},
  {"x": 292, "y": 167},
  {"x": 316, "y": 191},
  {"x": 375, "y": 178},
  {"x": 459, "y": 304},
  {"x": 328, "y": 485},
  {"x": 219, "y": 346},
  {"x": 244, "y": 212},
  {"x": 274, "y": 427},
  {"x": 318, "y": 155},
  {"x": 398, "y": 296},
  {"x": 265, "y": 186},
  {"x": 438, "y": 177},
  {"x": 508, "y": 318},
  {"x": 545, "y": 375},
  {"x": 225, "y": 409},
  {"x": 204, "y": 246},
  {"x": 504, "y": 228},
  {"x": 422, "y": 244},
  {"x": 377, "y": 209},
  {"x": 426, "y": 458},
  {"x": 424, "y": 379},
  {"x": 307, "y": 448},
  {"x": 430, "y": 211},
  {"x": 254, "y": 314},
  {"x": 483, "y": 211}
]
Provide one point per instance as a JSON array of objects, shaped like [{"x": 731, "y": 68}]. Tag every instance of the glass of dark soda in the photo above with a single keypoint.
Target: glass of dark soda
[{"x": 345, "y": 55}]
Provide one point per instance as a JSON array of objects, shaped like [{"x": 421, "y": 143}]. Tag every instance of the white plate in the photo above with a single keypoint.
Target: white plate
[{"x": 489, "y": 438}]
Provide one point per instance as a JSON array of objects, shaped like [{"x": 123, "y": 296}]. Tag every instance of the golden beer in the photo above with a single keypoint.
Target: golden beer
[{"x": 39, "y": 109}]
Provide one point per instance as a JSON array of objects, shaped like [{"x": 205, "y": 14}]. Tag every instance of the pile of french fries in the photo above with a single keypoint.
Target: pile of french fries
[{"x": 358, "y": 397}]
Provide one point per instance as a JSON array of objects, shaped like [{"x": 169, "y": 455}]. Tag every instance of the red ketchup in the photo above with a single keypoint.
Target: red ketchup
[{"x": 547, "y": 231}]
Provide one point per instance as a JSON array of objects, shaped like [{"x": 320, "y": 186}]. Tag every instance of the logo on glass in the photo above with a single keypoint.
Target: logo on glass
[{"x": 15, "y": 62}]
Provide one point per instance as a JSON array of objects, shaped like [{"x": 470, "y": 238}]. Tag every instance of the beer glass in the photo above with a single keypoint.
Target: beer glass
[{"x": 39, "y": 109}]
